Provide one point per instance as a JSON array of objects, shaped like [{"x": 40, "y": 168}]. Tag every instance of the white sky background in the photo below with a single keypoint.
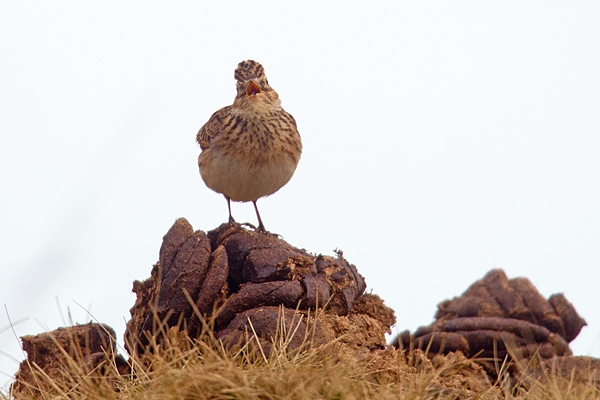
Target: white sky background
[{"x": 441, "y": 140}]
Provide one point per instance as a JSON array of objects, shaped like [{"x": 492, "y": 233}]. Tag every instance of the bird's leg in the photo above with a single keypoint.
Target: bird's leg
[
  {"x": 261, "y": 227},
  {"x": 231, "y": 220}
]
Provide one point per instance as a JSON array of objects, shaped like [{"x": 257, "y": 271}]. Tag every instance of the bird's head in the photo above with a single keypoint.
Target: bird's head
[{"x": 252, "y": 85}]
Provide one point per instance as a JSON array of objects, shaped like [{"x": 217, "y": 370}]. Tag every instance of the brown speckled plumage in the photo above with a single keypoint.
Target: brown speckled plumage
[{"x": 251, "y": 148}]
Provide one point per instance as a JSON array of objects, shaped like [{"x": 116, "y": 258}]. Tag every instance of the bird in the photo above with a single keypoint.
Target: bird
[{"x": 251, "y": 148}]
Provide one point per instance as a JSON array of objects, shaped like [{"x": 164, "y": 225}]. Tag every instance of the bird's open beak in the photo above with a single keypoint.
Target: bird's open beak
[{"x": 253, "y": 89}]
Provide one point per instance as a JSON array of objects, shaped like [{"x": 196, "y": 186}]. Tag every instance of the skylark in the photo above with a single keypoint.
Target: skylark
[{"x": 251, "y": 148}]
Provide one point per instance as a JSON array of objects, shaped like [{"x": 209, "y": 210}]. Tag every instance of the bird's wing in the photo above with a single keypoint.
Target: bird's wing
[{"x": 212, "y": 128}]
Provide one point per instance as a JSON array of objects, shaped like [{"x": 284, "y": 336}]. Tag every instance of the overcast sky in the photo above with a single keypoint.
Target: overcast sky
[{"x": 441, "y": 140}]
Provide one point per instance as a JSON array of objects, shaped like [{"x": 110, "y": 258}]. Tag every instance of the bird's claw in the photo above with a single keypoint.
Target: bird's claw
[{"x": 249, "y": 225}]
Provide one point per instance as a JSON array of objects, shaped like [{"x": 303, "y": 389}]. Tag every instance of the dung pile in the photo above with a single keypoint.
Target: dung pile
[
  {"x": 240, "y": 285},
  {"x": 498, "y": 317},
  {"x": 236, "y": 277},
  {"x": 90, "y": 346},
  {"x": 243, "y": 287}
]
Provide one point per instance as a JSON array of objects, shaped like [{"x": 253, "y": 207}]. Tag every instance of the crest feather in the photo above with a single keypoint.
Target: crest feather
[{"x": 249, "y": 69}]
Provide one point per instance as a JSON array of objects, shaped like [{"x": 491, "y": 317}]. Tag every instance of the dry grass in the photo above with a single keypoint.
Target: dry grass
[{"x": 183, "y": 369}]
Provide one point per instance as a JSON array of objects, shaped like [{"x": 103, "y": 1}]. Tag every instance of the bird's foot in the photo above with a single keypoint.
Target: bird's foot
[
  {"x": 249, "y": 225},
  {"x": 261, "y": 229},
  {"x": 234, "y": 224}
]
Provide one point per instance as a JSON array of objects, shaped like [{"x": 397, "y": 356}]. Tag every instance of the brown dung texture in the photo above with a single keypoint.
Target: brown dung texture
[
  {"x": 89, "y": 347},
  {"x": 249, "y": 288},
  {"x": 242, "y": 281},
  {"x": 498, "y": 317}
]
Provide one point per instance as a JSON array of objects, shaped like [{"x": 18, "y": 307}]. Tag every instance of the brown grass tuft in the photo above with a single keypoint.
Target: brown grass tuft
[{"x": 181, "y": 368}]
